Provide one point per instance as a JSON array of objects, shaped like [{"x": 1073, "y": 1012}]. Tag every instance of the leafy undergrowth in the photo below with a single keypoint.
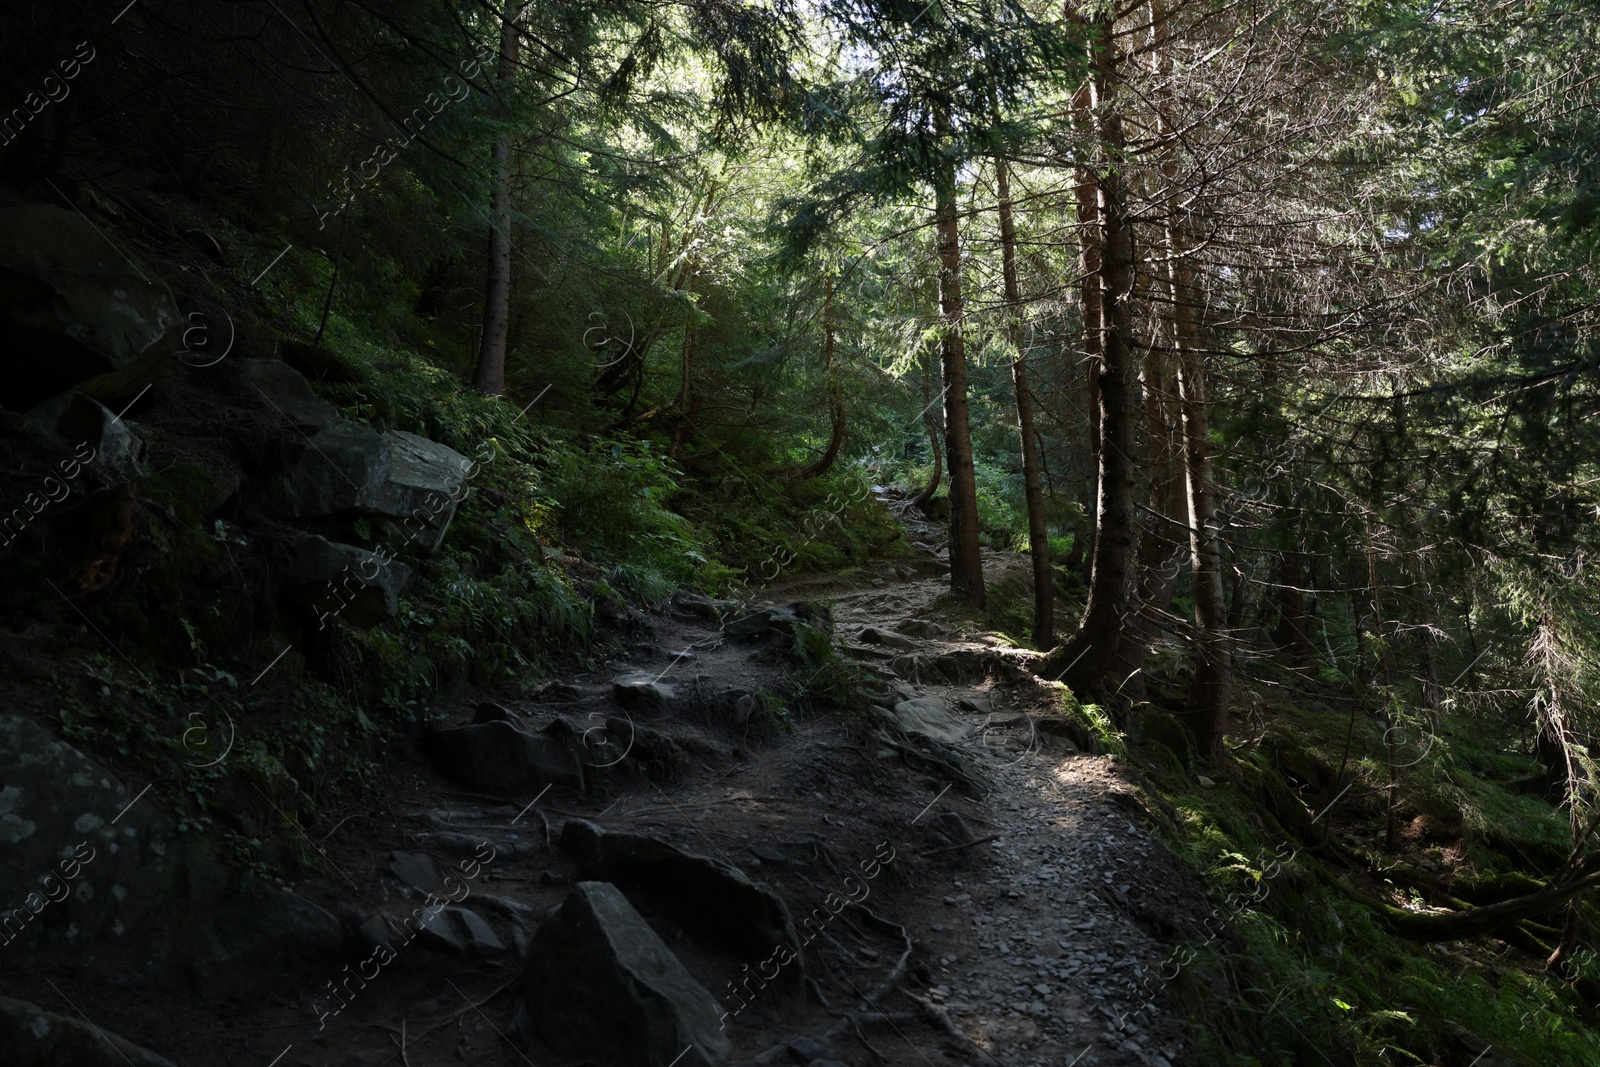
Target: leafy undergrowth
[
  {"x": 249, "y": 767},
  {"x": 1292, "y": 968}
]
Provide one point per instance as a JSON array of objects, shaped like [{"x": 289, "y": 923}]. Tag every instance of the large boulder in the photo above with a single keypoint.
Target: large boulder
[
  {"x": 425, "y": 480},
  {"x": 601, "y": 986},
  {"x": 345, "y": 582},
  {"x": 94, "y": 873},
  {"x": 712, "y": 897},
  {"x": 501, "y": 756},
  {"x": 287, "y": 392},
  {"x": 33, "y": 1037},
  {"x": 762, "y": 622},
  {"x": 349, "y": 470},
  {"x": 339, "y": 469},
  {"x": 76, "y": 421},
  {"x": 75, "y": 312}
]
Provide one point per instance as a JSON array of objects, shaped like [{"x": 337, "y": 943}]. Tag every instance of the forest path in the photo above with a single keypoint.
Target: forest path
[
  {"x": 1039, "y": 943},
  {"x": 1046, "y": 944}
]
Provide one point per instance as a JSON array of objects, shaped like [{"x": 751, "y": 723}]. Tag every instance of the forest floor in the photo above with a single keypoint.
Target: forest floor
[{"x": 1036, "y": 907}]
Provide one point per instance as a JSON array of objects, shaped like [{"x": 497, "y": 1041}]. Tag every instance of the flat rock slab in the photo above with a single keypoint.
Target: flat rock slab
[
  {"x": 932, "y": 716},
  {"x": 871, "y": 635},
  {"x": 808, "y": 1050},
  {"x": 461, "y": 930},
  {"x": 601, "y": 986},
  {"x": 916, "y": 628},
  {"x": 715, "y": 898},
  {"x": 498, "y": 755},
  {"x": 33, "y": 1037},
  {"x": 561, "y": 692},
  {"x": 409, "y": 483},
  {"x": 416, "y": 870},
  {"x": 644, "y": 693}
]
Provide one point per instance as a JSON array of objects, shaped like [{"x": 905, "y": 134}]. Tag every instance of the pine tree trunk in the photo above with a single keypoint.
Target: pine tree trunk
[
  {"x": 685, "y": 372},
  {"x": 490, "y": 377},
  {"x": 1038, "y": 535},
  {"x": 1156, "y": 571},
  {"x": 1090, "y": 661},
  {"x": 924, "y": 498},
  {"x": 966, "y": 562},
  {"x": 835, "y": 394},
  {"x": 1293, "y": 633},
  {"x": 1089, "y": 265},
  {"x": 1211, "y": 693}
]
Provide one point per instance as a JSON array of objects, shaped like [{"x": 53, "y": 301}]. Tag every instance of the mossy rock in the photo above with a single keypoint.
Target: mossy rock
[
  {"x": 1304, "y": 766},
  {"x": 320, "y": 363},
  {"x": 1162, "y": 731},
  {"x": 1066, "y": 732},
  {"x": 192, "y": 490}
]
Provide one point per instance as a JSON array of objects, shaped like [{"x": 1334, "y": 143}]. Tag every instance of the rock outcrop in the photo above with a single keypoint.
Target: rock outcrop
[
  {"x": 346, "y": 582},
  {"x": 97, "y": 876},
  {"x": 347, "y": 470},
  {"x": 33, "y": 1037},
  {"x": 75, "y": 313}
]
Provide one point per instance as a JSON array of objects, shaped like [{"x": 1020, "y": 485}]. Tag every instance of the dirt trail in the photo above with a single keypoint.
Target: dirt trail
[{"x": 1040, "y": 943}]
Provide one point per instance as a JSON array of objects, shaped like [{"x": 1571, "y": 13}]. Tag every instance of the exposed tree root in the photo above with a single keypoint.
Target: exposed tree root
[
  {"x": 1475, "y": 922},
  {"x": 941, "y": 1018}
]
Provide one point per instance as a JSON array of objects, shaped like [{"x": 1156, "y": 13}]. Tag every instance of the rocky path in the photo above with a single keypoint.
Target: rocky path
[
  {"x": 1046, "y": 944},
  {"x": 962, "y": 884},
  {"x": 1019, "y": 921}
]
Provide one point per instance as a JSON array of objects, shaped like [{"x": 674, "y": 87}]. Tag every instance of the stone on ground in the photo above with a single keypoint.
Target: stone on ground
[
  {"x": 760, "y": 623},
  {"x": 75, "y": 420},
  {"x": 931, "y": 716},
  {"x": 600, "y": 985},
  {"x": 287, "y": 392},
  {"x": 498, "y": 755},
  {"x": 644, "y": 693},
  {"x": 462, "y": 931},
  {"x": 873, "y": 636},
  {"x": 711, "y": 896},
  {"x": 695, "y": 605},
  {"x": 415, "y": 870}
]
